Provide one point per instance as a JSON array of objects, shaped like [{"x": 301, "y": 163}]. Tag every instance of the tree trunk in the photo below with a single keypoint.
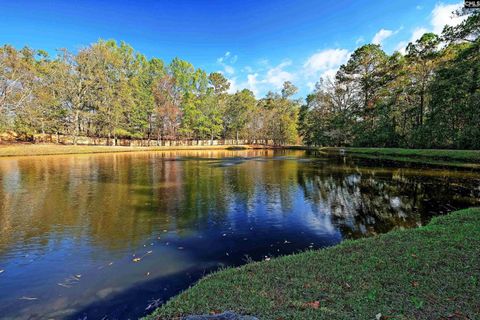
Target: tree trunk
[{"x": 77, "y": 126}]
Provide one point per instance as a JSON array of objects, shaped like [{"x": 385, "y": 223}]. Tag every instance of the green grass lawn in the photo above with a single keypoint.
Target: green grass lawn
[
  {"x": 432, "y": 272},
  {"x": 437, "y": 154}
]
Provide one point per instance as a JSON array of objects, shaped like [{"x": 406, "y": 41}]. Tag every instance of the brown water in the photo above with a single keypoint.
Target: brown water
[{"x": 113, "y": 235}]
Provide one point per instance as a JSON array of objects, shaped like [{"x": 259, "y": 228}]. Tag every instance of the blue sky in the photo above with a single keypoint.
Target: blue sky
[{"x": 256, "y": 44}]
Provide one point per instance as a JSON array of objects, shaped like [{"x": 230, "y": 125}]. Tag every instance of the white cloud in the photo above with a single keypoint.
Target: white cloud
[
  {"x": 359, "y": 40},
  {"x": 226, "y": 61},
  {"x": 248, "y": 69},
  {"x": 418, "y": 33},
  {"x": 311, "y": 85},
  {"x": 263, "y": 79},
  {"x": 401, "y": 47},
  {"x": 329, "y": 74},
  {"x": 234, "y": 87},
  {"x": 326, "y": 59},
  {"x": 229, "y": 69},
  {"x": 443, "y": 15},
  {"x": 381, "y": 35},
  {"x": 252, "y": 83},
  {"x": 276, "y": 76}
]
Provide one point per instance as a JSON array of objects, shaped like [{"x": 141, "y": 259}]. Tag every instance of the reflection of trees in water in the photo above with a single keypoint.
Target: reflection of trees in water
[
  {"x": 73, "y": 197},
  {"x": 370, "y": 201},
  {"x": 119, "y": 200}
]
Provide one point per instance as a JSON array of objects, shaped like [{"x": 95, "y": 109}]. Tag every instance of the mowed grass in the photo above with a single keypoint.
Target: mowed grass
[
  {"x": 434, "y": 154},
  {"x": 53, "y": 149},
  {"x": 432, "y": 272}
]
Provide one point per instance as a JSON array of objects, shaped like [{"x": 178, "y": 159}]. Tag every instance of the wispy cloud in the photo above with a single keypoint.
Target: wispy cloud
[
  {"x": 227, "y": 61},
  {"x": 441, "y": 15},
  {"x": 263, "y": 75},
  {"x": 381, "y": 35},
  {"x": 277, "y": 75},
  {"x": 325, "y": 60}
]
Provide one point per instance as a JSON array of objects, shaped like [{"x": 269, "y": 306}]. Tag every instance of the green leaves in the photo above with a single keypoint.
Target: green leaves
[{"x": 428, "y": 98}]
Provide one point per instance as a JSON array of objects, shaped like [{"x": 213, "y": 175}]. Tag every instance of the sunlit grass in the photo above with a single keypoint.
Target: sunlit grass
[
  {"x": 52, "y": 149},
  {"x": 431, "y": 272},
  {"x": 438, "y": 154}
]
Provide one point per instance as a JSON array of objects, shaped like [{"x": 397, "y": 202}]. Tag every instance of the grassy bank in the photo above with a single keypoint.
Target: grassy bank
[
  {"x": 432, "y": 272},
  {"x": 427, "y": 154},
  {"x": 53, "y": 149}
]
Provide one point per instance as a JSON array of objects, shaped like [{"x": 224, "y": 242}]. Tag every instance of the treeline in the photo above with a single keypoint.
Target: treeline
[
  {"x": 427, "y": 98},
  {"x": 109, "y": 90}
]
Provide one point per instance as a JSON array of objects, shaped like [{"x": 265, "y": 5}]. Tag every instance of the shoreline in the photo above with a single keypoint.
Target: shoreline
[
  {"x": 430, "y": 271},
  {"x": 28, "y": 150},
  {"x": 31, "y": 149},
  {"x": 415, "y": 154}
]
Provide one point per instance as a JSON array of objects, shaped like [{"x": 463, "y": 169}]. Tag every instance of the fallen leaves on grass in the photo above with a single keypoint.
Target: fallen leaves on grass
[{"x": 313, "y": 304}]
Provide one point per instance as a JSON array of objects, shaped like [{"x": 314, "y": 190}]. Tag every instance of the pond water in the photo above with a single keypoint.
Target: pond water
[{"x": 111, "y": 236}]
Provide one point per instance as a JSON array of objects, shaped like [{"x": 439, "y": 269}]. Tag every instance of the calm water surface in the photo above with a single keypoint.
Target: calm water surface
[{"x": 112, "y": 236}]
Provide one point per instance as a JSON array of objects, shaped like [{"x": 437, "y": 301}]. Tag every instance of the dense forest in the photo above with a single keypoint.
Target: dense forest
[
  {"x": 109, "y": 90},
  {"x": 428, "y": 97}
]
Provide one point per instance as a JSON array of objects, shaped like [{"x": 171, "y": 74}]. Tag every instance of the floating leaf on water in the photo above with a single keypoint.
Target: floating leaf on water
[
  {"x": 136, "y": 259},
  {"x": 27, "y": 298},
  {"x": 154, "y": 304},
  {"x": 71, "y": 279}
]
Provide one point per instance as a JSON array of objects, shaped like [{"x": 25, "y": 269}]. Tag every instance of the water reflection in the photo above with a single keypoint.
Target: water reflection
[{"x": 72, "y": 226}]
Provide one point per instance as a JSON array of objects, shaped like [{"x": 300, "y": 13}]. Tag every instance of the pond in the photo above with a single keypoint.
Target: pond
[{"x": 113, "y": 235}]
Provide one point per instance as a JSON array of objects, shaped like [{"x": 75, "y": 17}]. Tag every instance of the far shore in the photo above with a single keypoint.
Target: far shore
[
  {"x": 28, "y": 149},
  {"x": 462, "y": 158}
]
